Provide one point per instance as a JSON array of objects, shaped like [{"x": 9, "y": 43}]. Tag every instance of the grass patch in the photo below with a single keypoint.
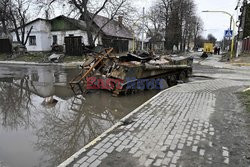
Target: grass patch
[
  {"x": 245, "y": 55},
  {"x": 33, "y": 57},
  {"x": 40, "y": 57},
  {"x": 243, "y": 58},
  {"x": 68, "y": 59},
  {"x": 245, "y": 98},
  {"x": 3, "y": 57}
]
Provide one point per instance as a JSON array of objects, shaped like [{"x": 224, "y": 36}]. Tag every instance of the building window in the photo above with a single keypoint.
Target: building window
[
  {"x": 32, "y": 40},
  {"x": 54, "y": 39},
  {"x": 71, "y": 35}
]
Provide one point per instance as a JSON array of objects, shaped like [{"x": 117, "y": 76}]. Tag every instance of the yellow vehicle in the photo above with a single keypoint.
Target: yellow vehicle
[{"x": 208, "y": 48}]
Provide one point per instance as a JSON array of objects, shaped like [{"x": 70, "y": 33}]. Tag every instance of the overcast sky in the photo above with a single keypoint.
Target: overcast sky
[{"x": 214, "y": 23}]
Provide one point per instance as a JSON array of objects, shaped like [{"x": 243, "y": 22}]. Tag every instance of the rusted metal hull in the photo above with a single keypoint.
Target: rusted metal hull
[
  {"x": 115, "y": 74},
  {"x": 129, "y": 72}
]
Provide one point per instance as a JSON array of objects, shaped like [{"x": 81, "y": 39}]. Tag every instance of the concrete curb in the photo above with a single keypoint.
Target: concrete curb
[{"x": 72, "y": 64}]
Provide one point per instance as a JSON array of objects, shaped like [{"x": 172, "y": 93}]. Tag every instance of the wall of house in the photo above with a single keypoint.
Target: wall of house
[
  {"x": 41, "y": 29},
  {"x": 130, "y": 45},
  {"x": 118, "y": 44},
  {"x": 62, "y": 34}
]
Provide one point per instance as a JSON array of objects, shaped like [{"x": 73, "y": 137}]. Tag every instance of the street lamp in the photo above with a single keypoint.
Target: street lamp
[{"x": 234, "y": 26}]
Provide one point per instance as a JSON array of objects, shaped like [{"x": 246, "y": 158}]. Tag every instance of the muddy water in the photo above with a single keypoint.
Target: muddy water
[{"x": 32, "y": 134}]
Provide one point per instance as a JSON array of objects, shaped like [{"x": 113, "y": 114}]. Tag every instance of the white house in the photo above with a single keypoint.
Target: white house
[
  {"x": 45, "y": 33},
  {"x": 40, "y": 36},
  {"x": 62, "y": 27}
]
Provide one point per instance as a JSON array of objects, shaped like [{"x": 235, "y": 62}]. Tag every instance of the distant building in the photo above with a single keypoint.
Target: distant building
[
  {"x": 45, "y": 33},
  {"x": 155, "y": 42},
  {"x": 115, "y": 34}
]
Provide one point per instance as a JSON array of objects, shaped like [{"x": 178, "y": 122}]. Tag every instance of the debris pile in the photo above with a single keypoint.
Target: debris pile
[{"x": 132, "y": 69}]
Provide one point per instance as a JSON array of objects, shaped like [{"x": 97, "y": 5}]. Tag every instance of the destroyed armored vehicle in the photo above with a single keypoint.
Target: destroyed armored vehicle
[{"x": 133, "y": 72}]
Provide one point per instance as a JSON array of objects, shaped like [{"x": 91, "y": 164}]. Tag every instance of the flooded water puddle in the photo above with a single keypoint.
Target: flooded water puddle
[{"x": 33, "y": 135}]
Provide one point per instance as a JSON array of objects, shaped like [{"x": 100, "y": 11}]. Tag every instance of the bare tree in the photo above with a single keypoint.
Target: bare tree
[
  {"x": 18, "y": 11},
  {"x": 155, "y": 20},
  {"x": 198, "y": 28},
  {"x": 170, "y": 11},
  {"x": 13, "y": 15},
  {"x": 187, "y": 22},
  {"x": 4, "y": 15},
  {"x": 47, "y": 7},
  {"x": 112, "y": 8},
  {"x": 178, "y": 19}
]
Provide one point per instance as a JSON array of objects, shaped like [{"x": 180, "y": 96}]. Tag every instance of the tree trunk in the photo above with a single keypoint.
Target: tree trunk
[
  {"x": 4, "y": 27},
  {"x": 89, "y": 25}
]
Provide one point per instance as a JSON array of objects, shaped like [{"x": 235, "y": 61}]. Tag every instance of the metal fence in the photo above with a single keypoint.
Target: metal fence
[
  {"x": 246, "y": 45},
  {"x": 119, "y": 46},
  {"x": 74, "y": 46},
  {"x": 5, "y": 46}
]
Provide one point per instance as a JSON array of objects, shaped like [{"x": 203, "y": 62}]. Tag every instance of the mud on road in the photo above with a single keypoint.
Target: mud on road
[{"x": 233, "y": 124}]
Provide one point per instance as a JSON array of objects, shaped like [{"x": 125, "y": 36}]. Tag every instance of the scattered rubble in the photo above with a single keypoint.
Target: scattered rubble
[{"x": 55, "y": 57}]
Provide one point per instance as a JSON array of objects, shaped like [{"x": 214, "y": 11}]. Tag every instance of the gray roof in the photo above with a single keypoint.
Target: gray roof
[
  {"x": 113, "y": 28},
  {"x": 38, "y": 19}
]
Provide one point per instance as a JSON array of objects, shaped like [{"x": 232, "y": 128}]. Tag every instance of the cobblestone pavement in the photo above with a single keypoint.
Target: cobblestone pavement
[
  {"x": 173, "y": 129},
  {"x": 191, "y": 125}
]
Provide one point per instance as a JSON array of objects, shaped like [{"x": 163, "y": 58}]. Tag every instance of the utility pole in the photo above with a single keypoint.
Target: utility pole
[
  {"x": 230, "y": 28},
  {"x": 231, "y": 21},
  {"x": 143, "y": 25}
]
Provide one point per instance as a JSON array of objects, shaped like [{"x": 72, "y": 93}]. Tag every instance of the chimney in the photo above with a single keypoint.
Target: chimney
[{"x": 120, "y": 20}]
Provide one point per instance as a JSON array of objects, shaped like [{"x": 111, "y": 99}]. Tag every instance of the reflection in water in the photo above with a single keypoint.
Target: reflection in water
[
  {"x": 53, "y": 134},
  {"x": 15, "y": 104},
  {"x": 61, "y": 135}
]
